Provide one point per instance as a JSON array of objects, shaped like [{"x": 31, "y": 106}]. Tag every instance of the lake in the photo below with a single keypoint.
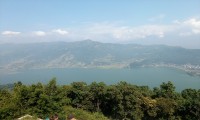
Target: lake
[{"x": 152, "y": 77}]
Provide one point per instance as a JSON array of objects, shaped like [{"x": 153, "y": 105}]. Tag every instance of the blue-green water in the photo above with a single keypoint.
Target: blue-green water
[{"x": 152, "y": 77}]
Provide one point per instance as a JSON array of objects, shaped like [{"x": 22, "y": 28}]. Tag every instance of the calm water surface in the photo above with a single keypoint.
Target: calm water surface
[{"x": 152, "y": 77}]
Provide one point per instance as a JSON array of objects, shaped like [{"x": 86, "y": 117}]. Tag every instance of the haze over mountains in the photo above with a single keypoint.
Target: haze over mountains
[{"x": 90, "y": 54}]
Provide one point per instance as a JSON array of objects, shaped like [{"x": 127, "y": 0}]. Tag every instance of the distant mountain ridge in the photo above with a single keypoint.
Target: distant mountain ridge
[{"x": 87, "y": 54}]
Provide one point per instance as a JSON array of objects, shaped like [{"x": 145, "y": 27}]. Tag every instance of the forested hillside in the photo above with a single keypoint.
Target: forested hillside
[
  {"x": 98, "y": 101},
  {"x": 91, "y": 54}
]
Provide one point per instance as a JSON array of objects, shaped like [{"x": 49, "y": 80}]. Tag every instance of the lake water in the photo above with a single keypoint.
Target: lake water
[{"x": 152, "y": 77}]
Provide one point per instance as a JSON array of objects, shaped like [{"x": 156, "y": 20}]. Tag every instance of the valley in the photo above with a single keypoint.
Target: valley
[{"x": 91, "y": 54}]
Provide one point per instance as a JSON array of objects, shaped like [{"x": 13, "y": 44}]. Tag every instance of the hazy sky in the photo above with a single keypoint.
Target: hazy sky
[{"x": 170, "y": 22}]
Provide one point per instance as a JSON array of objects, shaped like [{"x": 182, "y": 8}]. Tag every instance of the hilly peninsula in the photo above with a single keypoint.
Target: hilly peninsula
[{"x": 92, "y": 54}]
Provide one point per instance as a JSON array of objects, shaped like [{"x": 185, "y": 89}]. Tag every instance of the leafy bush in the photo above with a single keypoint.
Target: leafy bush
[{"x": 84, "y": 115}]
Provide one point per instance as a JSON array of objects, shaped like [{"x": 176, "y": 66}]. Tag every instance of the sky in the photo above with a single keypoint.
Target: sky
[{"x": 168, "y": 22}]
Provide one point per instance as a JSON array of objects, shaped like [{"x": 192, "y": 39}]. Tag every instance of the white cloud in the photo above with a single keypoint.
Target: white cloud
[
  {"x": 193, "y": 22},
  {"x": 109, "y": 32},
  {"x": 10, "y": 33},
  {"x": 60, "y": 31},
  {"x": 151, "y": 33},
  {"x": 39, "y": 33},
  {"x": 189, "y": 27},
  {"x": 127, "y": 33}
]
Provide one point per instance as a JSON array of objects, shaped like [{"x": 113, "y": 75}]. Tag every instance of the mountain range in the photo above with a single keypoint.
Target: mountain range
[{"x": 90, "y": 54}]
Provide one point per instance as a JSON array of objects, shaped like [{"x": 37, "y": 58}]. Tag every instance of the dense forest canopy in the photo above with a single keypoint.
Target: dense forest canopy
[{"x": 98, "y": 101}]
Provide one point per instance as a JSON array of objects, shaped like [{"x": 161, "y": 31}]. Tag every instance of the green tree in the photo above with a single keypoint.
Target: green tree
[
  {"x": 97, "y": 91},
  {"x": 81, "y": 114},
  {"x": 149, "y": 107},
  {"x": 80, "y": 96},
  {"x": 37, "y": 102},
  {"x": 167, "y": 90},
  {"x": 52, "y": 98},
  {"x": 21, "y": 97},
  {"x": 7, "y": 105},
  {"x": 166, "y": 108},
  {"x": 191, "y": 107},
  {"x": 123, "y": 102}
]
